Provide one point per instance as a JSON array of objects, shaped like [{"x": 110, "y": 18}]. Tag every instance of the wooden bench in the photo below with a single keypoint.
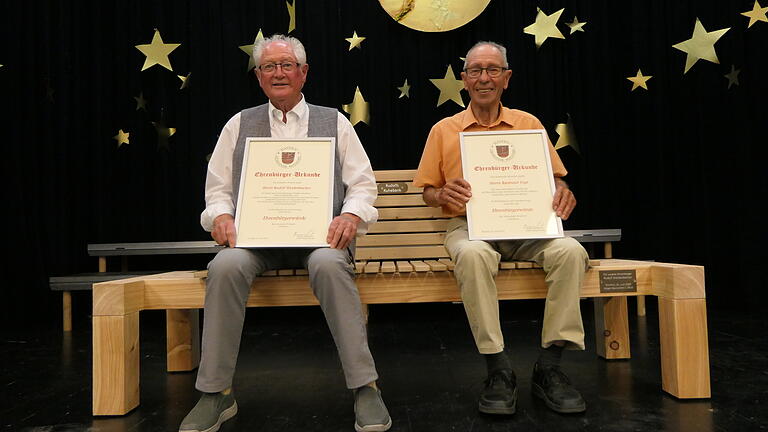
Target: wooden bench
[{"x": 402, "y": 260}]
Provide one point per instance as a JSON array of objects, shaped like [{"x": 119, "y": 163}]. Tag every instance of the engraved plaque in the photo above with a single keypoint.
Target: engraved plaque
[
  {"x": 392, "y": 188},
  {"x": 612, "y": 281}
]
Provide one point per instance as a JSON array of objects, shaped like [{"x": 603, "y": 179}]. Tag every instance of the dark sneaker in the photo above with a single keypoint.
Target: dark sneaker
[
  {"x": 554, "y": 388},
  {"x": 500, "y": 393},
  {"x": 211, "y": 411},
  {"x": 371, "y": 414}
]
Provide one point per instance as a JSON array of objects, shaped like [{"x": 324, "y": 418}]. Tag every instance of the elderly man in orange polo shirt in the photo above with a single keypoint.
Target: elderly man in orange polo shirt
[{"x": 486, "y": 75}]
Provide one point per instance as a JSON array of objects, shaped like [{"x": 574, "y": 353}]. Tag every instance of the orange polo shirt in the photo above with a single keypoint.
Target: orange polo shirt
[{"x": 441, "y": 160}]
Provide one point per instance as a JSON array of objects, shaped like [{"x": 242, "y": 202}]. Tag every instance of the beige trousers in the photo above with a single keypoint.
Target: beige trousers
[{"x": 564, "y": 261}]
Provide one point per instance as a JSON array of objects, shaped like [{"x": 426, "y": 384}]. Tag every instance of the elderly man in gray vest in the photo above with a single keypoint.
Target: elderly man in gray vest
[{"x": 282, "y": 71}]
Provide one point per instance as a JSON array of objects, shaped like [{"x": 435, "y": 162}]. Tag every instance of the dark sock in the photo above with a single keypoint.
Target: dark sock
[
  {"x": 497, "y": 362},
  {"x": 550, "y": 357}
]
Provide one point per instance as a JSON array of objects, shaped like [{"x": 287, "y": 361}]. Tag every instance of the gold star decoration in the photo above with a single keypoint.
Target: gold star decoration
[
  {"x": 733, "y": 76},
  {"x": 404, "y": 90},
  {"x": 355, "y": 41},
  {"x": 291, "y": 15},
  {"x": 157, "y": 52},
  {"x": 701, "y": 45},
  {"x": 248, "y": 49},
  {"x": 756, "y": 14},
  {"x": 450, "y": 87},
  {"x": 576, "y": 25},
  {"x": 358, "y": 109},
  {"x": 184, "y": 80},
  {"x": 121, "y": 138},
  {"x": 141, "y": 103},
  {"x": 639, "y": 80},
  {"x": 544, "y": 27},
  {"x": 567, "y": 136},
  {"x": 163, "y": 133}
]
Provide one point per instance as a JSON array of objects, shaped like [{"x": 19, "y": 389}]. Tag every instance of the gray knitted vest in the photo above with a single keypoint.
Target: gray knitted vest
[{"x": 254, "y": 122}]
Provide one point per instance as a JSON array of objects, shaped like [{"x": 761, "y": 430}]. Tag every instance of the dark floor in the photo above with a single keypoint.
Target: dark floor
[{"x": 289, "y": 377}]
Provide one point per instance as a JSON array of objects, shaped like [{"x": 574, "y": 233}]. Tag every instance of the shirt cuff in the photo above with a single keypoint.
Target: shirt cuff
[
  {"x": 366, "y": 212},
  {"x": 212, "y": 211}
]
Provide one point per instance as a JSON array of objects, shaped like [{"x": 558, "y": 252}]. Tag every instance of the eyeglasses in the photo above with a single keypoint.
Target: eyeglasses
[
  {"x": 493, "y": 71},
  {"x": 271, "y": 67}
]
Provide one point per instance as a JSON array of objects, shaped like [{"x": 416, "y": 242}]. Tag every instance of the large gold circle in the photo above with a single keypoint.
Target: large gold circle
[{"x": 434, "y": 15}]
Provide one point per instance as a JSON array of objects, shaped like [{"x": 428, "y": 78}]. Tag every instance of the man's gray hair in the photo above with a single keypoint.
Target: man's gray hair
[
  {"x": 298, "y": 48},
  {"x": 499, "y": 47}
]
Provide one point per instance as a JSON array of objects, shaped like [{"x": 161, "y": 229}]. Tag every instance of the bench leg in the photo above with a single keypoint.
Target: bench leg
[
  {"x": 684, "y": 347},
  {"x": 115, "y": 364},
  {"x": 640, "y": 305},
  {"x": 183, "y": 339},
  {"x": 66, "y": 302},
  {"x": 611, "y": 328}
]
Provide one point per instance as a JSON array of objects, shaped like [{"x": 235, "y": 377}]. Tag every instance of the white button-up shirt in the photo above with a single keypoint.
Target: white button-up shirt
[{"x": 356, "y": 171}]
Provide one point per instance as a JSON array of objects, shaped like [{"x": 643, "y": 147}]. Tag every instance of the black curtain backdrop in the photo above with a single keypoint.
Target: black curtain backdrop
[{"x": 679, "y": 168}]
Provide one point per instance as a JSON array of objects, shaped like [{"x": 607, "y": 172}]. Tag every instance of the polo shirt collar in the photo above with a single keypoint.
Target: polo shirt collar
[{"x": 469, "y": 118}]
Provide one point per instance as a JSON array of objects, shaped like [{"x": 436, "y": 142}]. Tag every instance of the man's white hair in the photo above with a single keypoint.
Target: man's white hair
[
  {"x": 499, "y": 47},
  {"x": 296, "y": 45}
]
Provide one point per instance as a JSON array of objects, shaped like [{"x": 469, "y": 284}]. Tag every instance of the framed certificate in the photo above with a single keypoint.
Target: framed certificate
[
  {"x": 512, "y": 185},
  {"x": 286, "y": 192}
]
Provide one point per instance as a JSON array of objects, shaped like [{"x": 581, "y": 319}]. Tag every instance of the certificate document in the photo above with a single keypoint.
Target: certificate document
[
  {"x": 286, "y": 192},
  {"x": 512, "y": 185}
]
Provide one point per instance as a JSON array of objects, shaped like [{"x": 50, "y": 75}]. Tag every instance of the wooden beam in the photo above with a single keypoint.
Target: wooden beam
[
  {"x": 115, "y": 364},
  {"x": 684, "y": 347},
  {"x": 182, "y": 328},
  {"x": 611, "y": 328},
  {"x": 66, "y": 308}
]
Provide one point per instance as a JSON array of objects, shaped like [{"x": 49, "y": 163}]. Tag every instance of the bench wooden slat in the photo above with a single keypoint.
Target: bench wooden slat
[
  {"x": 395, "y": 213},
  {"x": 394, "y": 175},
  {"x": 372, "y": 267},
  {"x": 436, "y": 225},
  {"x": 436, "y": 266},
  {"x": 420, "y": 266},
  {"x": 448, "y": 263},
  {"x": 399, "y": 200},
  {"x": 388, "y": 267},
  {"x": 433, "y": 239},
  {"x": 404, "y": 266},
  {"x": 403, "y": 252}
]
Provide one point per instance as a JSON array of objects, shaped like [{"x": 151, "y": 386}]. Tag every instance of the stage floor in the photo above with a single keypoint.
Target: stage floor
[{"x": 289, "y": 378}]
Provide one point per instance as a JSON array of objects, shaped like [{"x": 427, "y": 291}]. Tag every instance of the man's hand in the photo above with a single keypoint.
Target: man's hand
[
  {"x": 564, "y": 200},
  {"x": 224, "y": 230},
  {"x": 342, "y": 230},
  {"x": 456, "y": 193}
]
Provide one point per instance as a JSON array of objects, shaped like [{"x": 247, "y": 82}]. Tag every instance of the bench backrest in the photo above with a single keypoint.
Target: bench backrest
[{"x": 407, "y": 229}]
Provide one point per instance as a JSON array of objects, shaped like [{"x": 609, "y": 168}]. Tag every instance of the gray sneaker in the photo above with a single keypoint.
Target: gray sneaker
[
  {"x": 211, "y": 411},
  {"x": 371, "y": 414}
]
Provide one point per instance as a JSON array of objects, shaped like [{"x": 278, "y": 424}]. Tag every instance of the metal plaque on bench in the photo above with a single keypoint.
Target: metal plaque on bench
[{"x": 614, "y": 281}]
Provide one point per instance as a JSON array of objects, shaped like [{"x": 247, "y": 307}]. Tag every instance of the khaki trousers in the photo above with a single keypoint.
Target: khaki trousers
[{"x": 564, "y": 261}]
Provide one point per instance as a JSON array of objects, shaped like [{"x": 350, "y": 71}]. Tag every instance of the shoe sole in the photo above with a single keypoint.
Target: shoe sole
[
  {"x": 539, "y": 393},
  {"x": 374, "y": 428},
  {"x": 224, "y": 416},
  {"x": 503, "y": 410}
]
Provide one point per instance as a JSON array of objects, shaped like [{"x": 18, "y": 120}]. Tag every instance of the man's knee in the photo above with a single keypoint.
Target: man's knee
[
  {"x": 230, "y": 262},
  {"x": 568, "y": 250},
  {"x": 476, "y": 251},
  {"x": 328, "y": 261}
]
